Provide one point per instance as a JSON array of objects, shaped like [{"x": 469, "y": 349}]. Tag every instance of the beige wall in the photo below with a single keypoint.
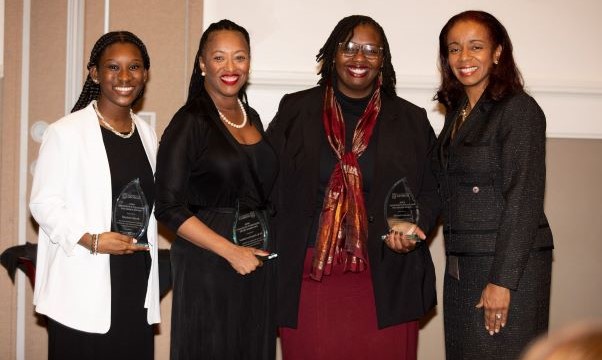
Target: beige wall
[
  {"x": 171, "y": 31},
  {"x": 9, "y": 166}
]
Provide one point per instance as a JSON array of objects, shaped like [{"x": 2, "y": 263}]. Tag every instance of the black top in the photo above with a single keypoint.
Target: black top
[
  {"x": 129, "y": 273},
  {"x": 263, "y": 160},
  {"x": 352, "y": 109},
  {"x": 128, "y": 161}
]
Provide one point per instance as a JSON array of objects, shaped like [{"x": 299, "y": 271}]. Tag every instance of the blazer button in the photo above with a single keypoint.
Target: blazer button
[
  {"x": 475, "y": 189},
  {"x": 370, "y": 219}
]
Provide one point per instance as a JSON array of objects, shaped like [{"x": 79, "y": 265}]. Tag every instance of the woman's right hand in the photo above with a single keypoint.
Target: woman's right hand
[
  {"x": 117, "y": 244},
  {"x": 399, "y": 237},
  {"x": 244, "y": 259}
]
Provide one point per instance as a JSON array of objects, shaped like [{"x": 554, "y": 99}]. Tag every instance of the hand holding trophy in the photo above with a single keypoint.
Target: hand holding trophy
[
  {"x": 250, "y": 229},
  {"x": 401, "y": 215},
  {"x": 131, "y": 212}
]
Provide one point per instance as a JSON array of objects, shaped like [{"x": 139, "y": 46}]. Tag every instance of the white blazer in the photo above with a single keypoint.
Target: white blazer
[{"x": 71, "y": 195}]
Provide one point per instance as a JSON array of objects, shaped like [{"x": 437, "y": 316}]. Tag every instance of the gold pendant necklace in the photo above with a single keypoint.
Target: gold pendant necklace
[{"x": 465, "y": 112}]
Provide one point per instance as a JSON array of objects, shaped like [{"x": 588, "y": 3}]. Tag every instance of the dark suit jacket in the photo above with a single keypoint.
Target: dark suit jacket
[
  {"x": 492, "y": 179},
  {"x": 404, "y": 285}
]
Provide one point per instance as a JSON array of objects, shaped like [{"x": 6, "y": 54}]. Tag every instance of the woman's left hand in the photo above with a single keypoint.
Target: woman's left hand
[
  {"x": 495, "y": 300},
  {"x": 399, "y": 237}
]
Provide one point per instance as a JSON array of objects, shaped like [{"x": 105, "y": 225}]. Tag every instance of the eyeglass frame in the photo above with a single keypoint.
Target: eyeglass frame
[{"x": 342, "y": 47}]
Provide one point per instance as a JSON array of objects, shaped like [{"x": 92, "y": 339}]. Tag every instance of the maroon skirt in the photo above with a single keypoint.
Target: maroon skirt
[{"x": 337, "y": 320}]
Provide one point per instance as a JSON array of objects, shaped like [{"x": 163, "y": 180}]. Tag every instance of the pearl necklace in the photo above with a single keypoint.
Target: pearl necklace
[
  {"x": 108, "y": 126},
  {"x": 244, "y": 117}
]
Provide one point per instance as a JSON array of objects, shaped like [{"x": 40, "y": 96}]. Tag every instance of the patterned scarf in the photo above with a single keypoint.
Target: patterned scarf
[{"x": 343, "y": 228}]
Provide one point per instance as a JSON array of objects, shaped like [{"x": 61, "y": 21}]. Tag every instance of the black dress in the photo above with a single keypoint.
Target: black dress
[
  {"x": 492, "y": 180},
  {"x": 130, "y": 336},
  {"x": 202, "y": 171}
]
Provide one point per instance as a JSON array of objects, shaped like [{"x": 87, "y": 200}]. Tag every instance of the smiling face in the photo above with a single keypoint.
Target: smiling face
[
  {"x": 472, "y": 56},
  {"x": 357, "y": 74},
  {"x": 225, "y": 61},
  {"x": 121, "y": 76}
]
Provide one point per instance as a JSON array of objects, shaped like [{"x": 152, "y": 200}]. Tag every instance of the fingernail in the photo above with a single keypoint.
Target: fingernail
[
  {"x": 503, "y": 324},
  {"x": 486, "y": 327},
  {"x": 135, "y": 241},
  {"x": 497, "y": 331},
  {"x": 491, "y": 333}
]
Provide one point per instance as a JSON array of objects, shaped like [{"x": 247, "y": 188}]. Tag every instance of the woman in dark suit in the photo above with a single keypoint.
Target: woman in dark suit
[
  {"x": 490, "y": 161},
  {"x": 343, "y": 292}
]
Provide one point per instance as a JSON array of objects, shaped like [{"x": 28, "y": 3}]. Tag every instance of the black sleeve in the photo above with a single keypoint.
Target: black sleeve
[
  {"x": 523, "y": 137},
  {"x": 178, "y": 149},
  {"x": 276, "y": 129}
]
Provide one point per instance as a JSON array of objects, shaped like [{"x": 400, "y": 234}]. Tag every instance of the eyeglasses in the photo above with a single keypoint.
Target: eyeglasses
[{"x": 350, "y": 49}]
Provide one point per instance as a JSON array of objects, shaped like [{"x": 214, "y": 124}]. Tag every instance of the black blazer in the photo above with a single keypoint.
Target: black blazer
[
  {"x": 404, "y": 285},
  {"x": 492, "y": 179}
]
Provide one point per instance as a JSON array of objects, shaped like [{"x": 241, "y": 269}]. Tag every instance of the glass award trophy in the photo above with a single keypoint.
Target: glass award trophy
[
  {"x": 400, "y": 207},
  {"x": 131, "y": 213},
  {"x": 250, "y": 228}
]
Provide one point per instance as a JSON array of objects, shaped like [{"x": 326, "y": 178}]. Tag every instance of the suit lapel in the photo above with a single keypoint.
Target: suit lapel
[
  {"x": 382, "y": 138},
  {"x": 475, "y": 119},
  {"x": 444, "y": 140},
  {"x": 92, "y": 145},
  {"x": 313, "y": 135}
]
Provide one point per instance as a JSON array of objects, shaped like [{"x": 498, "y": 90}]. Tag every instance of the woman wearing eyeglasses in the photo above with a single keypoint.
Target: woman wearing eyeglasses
[{"x": 346, "y": 147}]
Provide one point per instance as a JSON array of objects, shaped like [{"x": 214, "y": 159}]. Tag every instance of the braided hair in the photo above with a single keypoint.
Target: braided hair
[
  {"x": 342, "y": 32},
  {"x": 505, "y": 78},
  {"x": 197, "y": 79},
  {"x": 91, "y": 90}
]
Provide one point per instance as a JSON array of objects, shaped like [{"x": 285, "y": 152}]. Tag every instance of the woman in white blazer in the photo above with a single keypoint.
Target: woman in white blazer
[{"x": 98, "y": 288}]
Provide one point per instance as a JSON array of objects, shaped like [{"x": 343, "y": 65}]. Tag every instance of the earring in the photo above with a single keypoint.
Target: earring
[
  {"x": 203, "y": 73},
  {"x": 95, "y": 81},
  {"x": 496, "y": 61}
]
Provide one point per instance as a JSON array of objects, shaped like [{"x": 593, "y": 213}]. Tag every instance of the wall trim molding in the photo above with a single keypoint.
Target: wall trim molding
[
  {"x": 107, "y": 16},
  {"x": 266, "y": 78},
  {"x": 556, "y": 96}
]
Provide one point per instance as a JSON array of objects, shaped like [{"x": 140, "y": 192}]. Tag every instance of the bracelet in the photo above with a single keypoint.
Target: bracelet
[
  {"x": 92, "y": 244},
  {"x": 94, "y": 249}
]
